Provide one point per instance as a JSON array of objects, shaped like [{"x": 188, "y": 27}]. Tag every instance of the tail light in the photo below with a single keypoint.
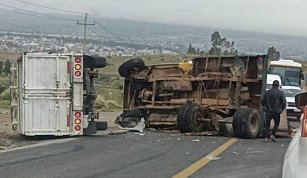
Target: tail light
[
  {"x": 77, "y": 121},
  {"x": 78, "y": 114},
  {"x": 77, "y": 127},
  {"x": 77, "y": 73},
  {"x": 304, "y": 123},
  {"x": 78, "y": 60},
  {"x": 78, "y": 66}
]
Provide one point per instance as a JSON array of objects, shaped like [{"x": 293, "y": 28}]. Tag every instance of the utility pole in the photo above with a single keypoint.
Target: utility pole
[{"x": 85, "y": 23}]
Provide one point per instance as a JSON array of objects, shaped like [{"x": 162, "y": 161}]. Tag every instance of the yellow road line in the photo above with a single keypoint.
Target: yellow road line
[{"x": 205, "y": 160}]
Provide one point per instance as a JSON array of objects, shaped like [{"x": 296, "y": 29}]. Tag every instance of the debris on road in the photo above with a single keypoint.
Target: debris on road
[
  {"x": 200, "y": 133},
  {"x": 195, "y": 140},
  {"x": 211, "y": 158},
  {"x": 137, "y": 133},
  {"x": 139, "y": 127},
  {"x": 117, "y": 132}
]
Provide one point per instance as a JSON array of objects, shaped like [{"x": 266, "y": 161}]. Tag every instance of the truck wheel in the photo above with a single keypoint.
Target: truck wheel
[
  {"x": 180, "y": 117},
  {"x": 132, "y": 113},
  {"x": 246, "y": 123},
  {"x": 190, "y": 120},
  {"x": 125, "y": 69},
  {"x": 101, "y": 125},
  {"x": 130, "y": 118}
]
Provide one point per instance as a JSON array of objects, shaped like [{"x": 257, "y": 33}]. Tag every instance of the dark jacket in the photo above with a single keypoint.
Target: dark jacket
[{"x": 274, "y": 101}]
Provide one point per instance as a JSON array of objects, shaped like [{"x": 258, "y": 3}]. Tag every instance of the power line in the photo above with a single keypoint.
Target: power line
[
  {"x": 63, "y": 10},
  {"x": 23, "y": 13},
  {"x": 37, "y": 14},
  {"x": 52, "y": 8}
]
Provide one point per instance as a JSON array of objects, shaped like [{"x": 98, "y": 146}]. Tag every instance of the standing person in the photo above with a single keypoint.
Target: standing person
[{"x": 273, "y": 103}]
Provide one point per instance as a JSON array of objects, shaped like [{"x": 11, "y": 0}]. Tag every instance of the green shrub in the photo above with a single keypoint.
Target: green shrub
[
  {"x": 5, "y": 95},
  {"x": 103, "y": 104}
]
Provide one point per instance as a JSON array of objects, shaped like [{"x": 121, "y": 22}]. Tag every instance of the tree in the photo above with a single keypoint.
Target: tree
[
  {"x": 7, "y": 67},
  {"x": 273, "y": 54},
  {"x": 221, "y": 46},
  {"x": 191, "y": 50}
]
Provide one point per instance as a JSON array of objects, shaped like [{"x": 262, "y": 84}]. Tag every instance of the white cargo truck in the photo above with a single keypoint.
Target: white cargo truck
[{"x": 54, "y": 94}]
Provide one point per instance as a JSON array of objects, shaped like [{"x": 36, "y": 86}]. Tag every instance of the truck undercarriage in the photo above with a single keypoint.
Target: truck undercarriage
[{"x": 216, "y": 93}]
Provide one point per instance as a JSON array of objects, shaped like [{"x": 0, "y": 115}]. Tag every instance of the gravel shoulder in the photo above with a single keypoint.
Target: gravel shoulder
[{"x": 11, "y": 139}]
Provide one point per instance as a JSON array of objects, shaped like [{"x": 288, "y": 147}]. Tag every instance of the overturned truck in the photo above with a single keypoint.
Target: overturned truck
[
  {"x": 221, "y": 94},
  {"x": 54, "y": 94}
]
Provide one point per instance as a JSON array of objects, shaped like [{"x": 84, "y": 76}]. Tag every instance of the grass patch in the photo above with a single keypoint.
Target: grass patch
[{"x": 4, "y": 104}]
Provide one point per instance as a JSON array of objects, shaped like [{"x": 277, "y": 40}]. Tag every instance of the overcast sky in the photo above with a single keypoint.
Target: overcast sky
[{"x": 268, "y": 16}]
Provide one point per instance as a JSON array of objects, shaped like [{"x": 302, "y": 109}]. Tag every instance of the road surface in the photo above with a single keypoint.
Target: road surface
[{"x": 155, "y": 154}]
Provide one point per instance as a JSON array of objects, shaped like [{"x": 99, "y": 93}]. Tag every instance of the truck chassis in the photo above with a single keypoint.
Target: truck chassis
[{"x": 216, "y": 93}]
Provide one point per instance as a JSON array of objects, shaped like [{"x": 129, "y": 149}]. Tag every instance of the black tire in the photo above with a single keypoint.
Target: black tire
[
  {"x": 188, "y": 122},
  {"x": 132, "y": 113},
  {"x": 246, "y": 123},
  {"x": 236, "y": 123},
  {"x": 125, "y": 69},
  {"x": 130, "y": 118},
  {"x": 180, "y": 121},
  {"x": 101, "y": 125}
]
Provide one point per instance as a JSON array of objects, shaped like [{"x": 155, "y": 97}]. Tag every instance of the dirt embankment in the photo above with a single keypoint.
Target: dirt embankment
[{"x": 9, "y": 138}]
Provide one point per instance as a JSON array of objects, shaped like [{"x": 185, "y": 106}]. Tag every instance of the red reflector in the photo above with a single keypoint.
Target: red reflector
[
  {"x": 68, "y": 67},
  {"x": 77, "y": 73},
  {"x": 68, "y": 120},
  {"x": 78, "y": 114},
  {"x": 304, "y": 123},
  {"x": 78, "y": 60},
  {"x": 77, "y": 128}
]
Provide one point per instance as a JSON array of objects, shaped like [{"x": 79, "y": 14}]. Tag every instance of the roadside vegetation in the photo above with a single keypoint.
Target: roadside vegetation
[{"x": 4, "y": 84}]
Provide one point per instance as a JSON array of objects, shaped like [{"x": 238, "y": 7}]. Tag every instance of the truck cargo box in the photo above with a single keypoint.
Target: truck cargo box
[{"x": 48, "y": 96}]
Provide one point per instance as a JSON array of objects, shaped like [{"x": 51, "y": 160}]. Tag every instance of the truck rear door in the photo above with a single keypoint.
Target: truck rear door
[{"x": 46, "y": 101}]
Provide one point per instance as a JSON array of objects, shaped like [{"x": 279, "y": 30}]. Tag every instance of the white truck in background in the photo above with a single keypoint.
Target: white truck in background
[
  {"x": 291, "y": 74},
  {"x": 54, "y": 94}
]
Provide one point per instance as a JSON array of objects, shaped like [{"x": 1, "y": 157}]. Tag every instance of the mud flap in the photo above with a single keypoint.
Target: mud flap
[{"x": 91, "y": 128}]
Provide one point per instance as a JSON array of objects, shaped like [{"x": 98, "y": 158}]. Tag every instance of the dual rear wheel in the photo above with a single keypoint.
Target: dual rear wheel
[{"x": 246, "y": 122}]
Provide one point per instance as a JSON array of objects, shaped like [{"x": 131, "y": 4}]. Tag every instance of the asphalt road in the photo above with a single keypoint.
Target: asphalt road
[{"x": 154, "y": 154}]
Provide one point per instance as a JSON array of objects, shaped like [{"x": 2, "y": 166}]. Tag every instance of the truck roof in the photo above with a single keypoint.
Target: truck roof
[{"x": 286, "y": 63}]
